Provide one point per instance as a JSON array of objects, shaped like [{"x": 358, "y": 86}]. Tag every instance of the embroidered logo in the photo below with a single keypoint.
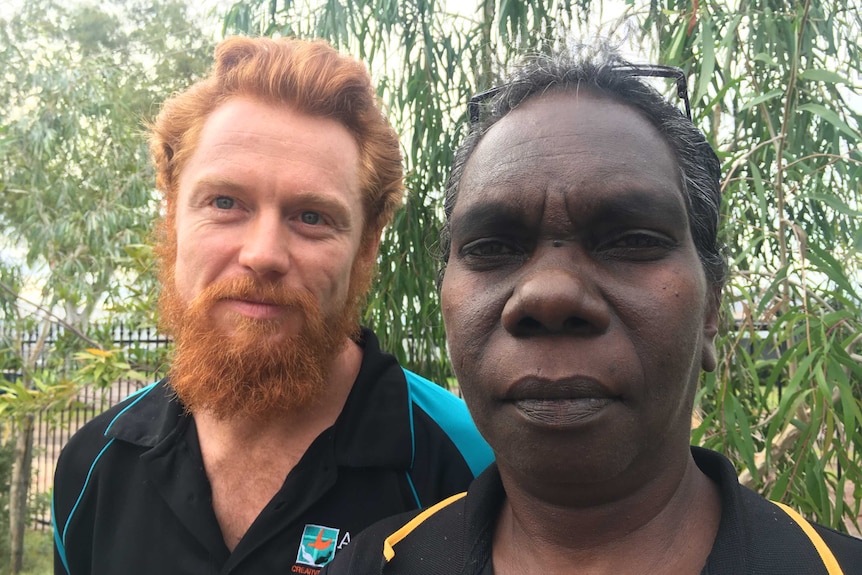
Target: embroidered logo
[{"x": 317, "y": 547}]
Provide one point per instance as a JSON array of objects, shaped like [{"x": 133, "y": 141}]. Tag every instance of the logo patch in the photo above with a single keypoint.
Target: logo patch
[{"x": 317, "y": 547}]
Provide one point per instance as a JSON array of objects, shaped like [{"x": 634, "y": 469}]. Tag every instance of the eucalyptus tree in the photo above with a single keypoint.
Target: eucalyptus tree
[
  {"x": 77, "y": 189},
  {"x": 772, "y": 84},
  {"x": 76, "y": 192}
]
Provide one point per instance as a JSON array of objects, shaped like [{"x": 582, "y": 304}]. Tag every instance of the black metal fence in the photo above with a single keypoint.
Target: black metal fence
[{"x": 52, "y": 431}]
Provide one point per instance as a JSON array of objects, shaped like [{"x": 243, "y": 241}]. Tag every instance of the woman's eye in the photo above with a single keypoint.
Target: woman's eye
[
  {"x": 310, "y": 218},
  {"x": 638, "y": 245},
  {"x": 224, "y": 203},
  {"x": 490, "y": 250},
  {"x": 638, "y": 241},
  {"x": 490, "y": 254},
  {"x": 487, "y": 248}
]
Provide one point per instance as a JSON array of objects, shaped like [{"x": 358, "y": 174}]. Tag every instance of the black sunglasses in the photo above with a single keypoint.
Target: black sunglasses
[{"x": 648, "y": 70}]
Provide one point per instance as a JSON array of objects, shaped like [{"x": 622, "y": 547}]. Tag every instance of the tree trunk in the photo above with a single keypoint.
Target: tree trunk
[{"x": 20, "y": 486}]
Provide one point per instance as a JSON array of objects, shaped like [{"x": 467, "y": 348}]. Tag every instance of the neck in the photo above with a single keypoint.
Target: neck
[
  {"x": 667, "y": 526},
  {"x": 247, "y": 459}
]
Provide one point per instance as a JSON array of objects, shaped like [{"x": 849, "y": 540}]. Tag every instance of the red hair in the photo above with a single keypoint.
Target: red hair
[{"x": 311, "y": 77}]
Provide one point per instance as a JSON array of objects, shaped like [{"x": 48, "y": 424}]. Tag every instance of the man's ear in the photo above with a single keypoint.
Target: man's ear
[
  {"x": 709, "y": 356},
  {"x": 372, "y": 245},
  {"x": 369, "y": 247}
]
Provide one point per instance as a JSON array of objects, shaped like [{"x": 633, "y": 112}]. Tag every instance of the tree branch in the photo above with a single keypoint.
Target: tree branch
[{"x": 48, "y": 313}]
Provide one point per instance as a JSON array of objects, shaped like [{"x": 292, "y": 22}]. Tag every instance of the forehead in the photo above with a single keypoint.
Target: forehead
[
  {"x": 571, "y": 142},
  {"x": 247, "y": 122},
  {"x": 246, "y": 142}
]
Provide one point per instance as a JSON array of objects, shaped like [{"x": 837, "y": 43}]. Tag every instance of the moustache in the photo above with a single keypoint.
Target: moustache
[{"x": 249, "y": 289}]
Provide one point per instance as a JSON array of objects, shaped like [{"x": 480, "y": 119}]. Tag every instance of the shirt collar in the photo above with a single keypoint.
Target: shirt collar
[{"x": 373, "y": 429}]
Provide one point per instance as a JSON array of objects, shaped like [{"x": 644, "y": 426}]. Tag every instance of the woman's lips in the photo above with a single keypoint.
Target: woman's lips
[
  {"x": 561, "y": 412},
  {"x": 560, "y": 402}
]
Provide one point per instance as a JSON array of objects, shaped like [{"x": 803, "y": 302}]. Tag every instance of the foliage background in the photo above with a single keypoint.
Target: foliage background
[
  {"x": 77, "y": 80},
  {"x": 772, "y": 84}
]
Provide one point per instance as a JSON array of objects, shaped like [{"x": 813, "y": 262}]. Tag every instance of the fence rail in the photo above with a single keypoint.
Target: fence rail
[{"x": 51, "y": 432}]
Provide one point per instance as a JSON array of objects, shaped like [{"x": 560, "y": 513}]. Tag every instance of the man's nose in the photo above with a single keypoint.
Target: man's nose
[
  {"x": 556, "y": 296},
  {"x": 265, "y": 246}
]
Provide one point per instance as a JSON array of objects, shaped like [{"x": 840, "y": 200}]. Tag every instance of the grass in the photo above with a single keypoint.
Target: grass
[{"x": 38, "y": 554}]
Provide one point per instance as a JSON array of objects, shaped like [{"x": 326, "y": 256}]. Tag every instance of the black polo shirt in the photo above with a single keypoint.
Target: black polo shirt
[
  {"x": 754, "y": 535},
  {"x": 131, "y": 495}
]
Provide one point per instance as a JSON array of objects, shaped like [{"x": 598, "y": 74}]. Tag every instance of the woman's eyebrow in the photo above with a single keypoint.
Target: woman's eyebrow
[
  {"x": 487, "y": 215},
  {"x": 637, "y": 203}
]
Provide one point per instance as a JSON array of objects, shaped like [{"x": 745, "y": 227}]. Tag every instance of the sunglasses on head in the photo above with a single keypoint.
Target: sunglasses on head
[{"x": 645, "y": 70}]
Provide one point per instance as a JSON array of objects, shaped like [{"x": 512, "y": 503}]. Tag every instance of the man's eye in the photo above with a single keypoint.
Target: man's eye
[
  {"x": 224, "y": 203},
  {"x": 310, "y": 218}
]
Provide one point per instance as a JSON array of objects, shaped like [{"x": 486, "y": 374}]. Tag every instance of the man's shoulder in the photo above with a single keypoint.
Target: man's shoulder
[
  {"x": 434, "y": 397},
  {"x": 418, "y": 411},
  {"x": 135, "y": 412},
  {"x": 443, "y": 410},
  {"x": 441, "y": 405}
]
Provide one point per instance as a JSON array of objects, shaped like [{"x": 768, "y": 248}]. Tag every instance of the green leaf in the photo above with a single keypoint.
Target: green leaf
[
  {"x": 707, "y": 65},
  {"x": 676, "y": 46},
  {"x": 761, "y": 98},
  {"x": 828, "y": 265},
  {"x": 826, "y": 76},
  {"x": 831, "y": 117},
  {"x": 765, "y": 59},
  {"x": 836, "y": 204}
]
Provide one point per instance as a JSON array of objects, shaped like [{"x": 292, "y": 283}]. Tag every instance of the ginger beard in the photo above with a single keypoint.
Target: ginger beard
[{"x": 250, "y": 372}]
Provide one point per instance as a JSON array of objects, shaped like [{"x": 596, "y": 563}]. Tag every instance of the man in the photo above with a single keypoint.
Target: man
[
  {"x": 580, "y": 295},
  {"x": 281, "y": 428}
]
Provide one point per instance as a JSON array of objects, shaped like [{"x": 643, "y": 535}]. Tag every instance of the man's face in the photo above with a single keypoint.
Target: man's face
[
  {"x": 269, "y": 258},
  {"x": 274, "y": 195},
  {"x": 577, "y": 311}
]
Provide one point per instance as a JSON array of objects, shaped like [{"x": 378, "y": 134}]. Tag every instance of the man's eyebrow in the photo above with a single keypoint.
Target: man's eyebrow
[
  {"x": 331, "y": 203},
  {"x": 219, "y": 183}
]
